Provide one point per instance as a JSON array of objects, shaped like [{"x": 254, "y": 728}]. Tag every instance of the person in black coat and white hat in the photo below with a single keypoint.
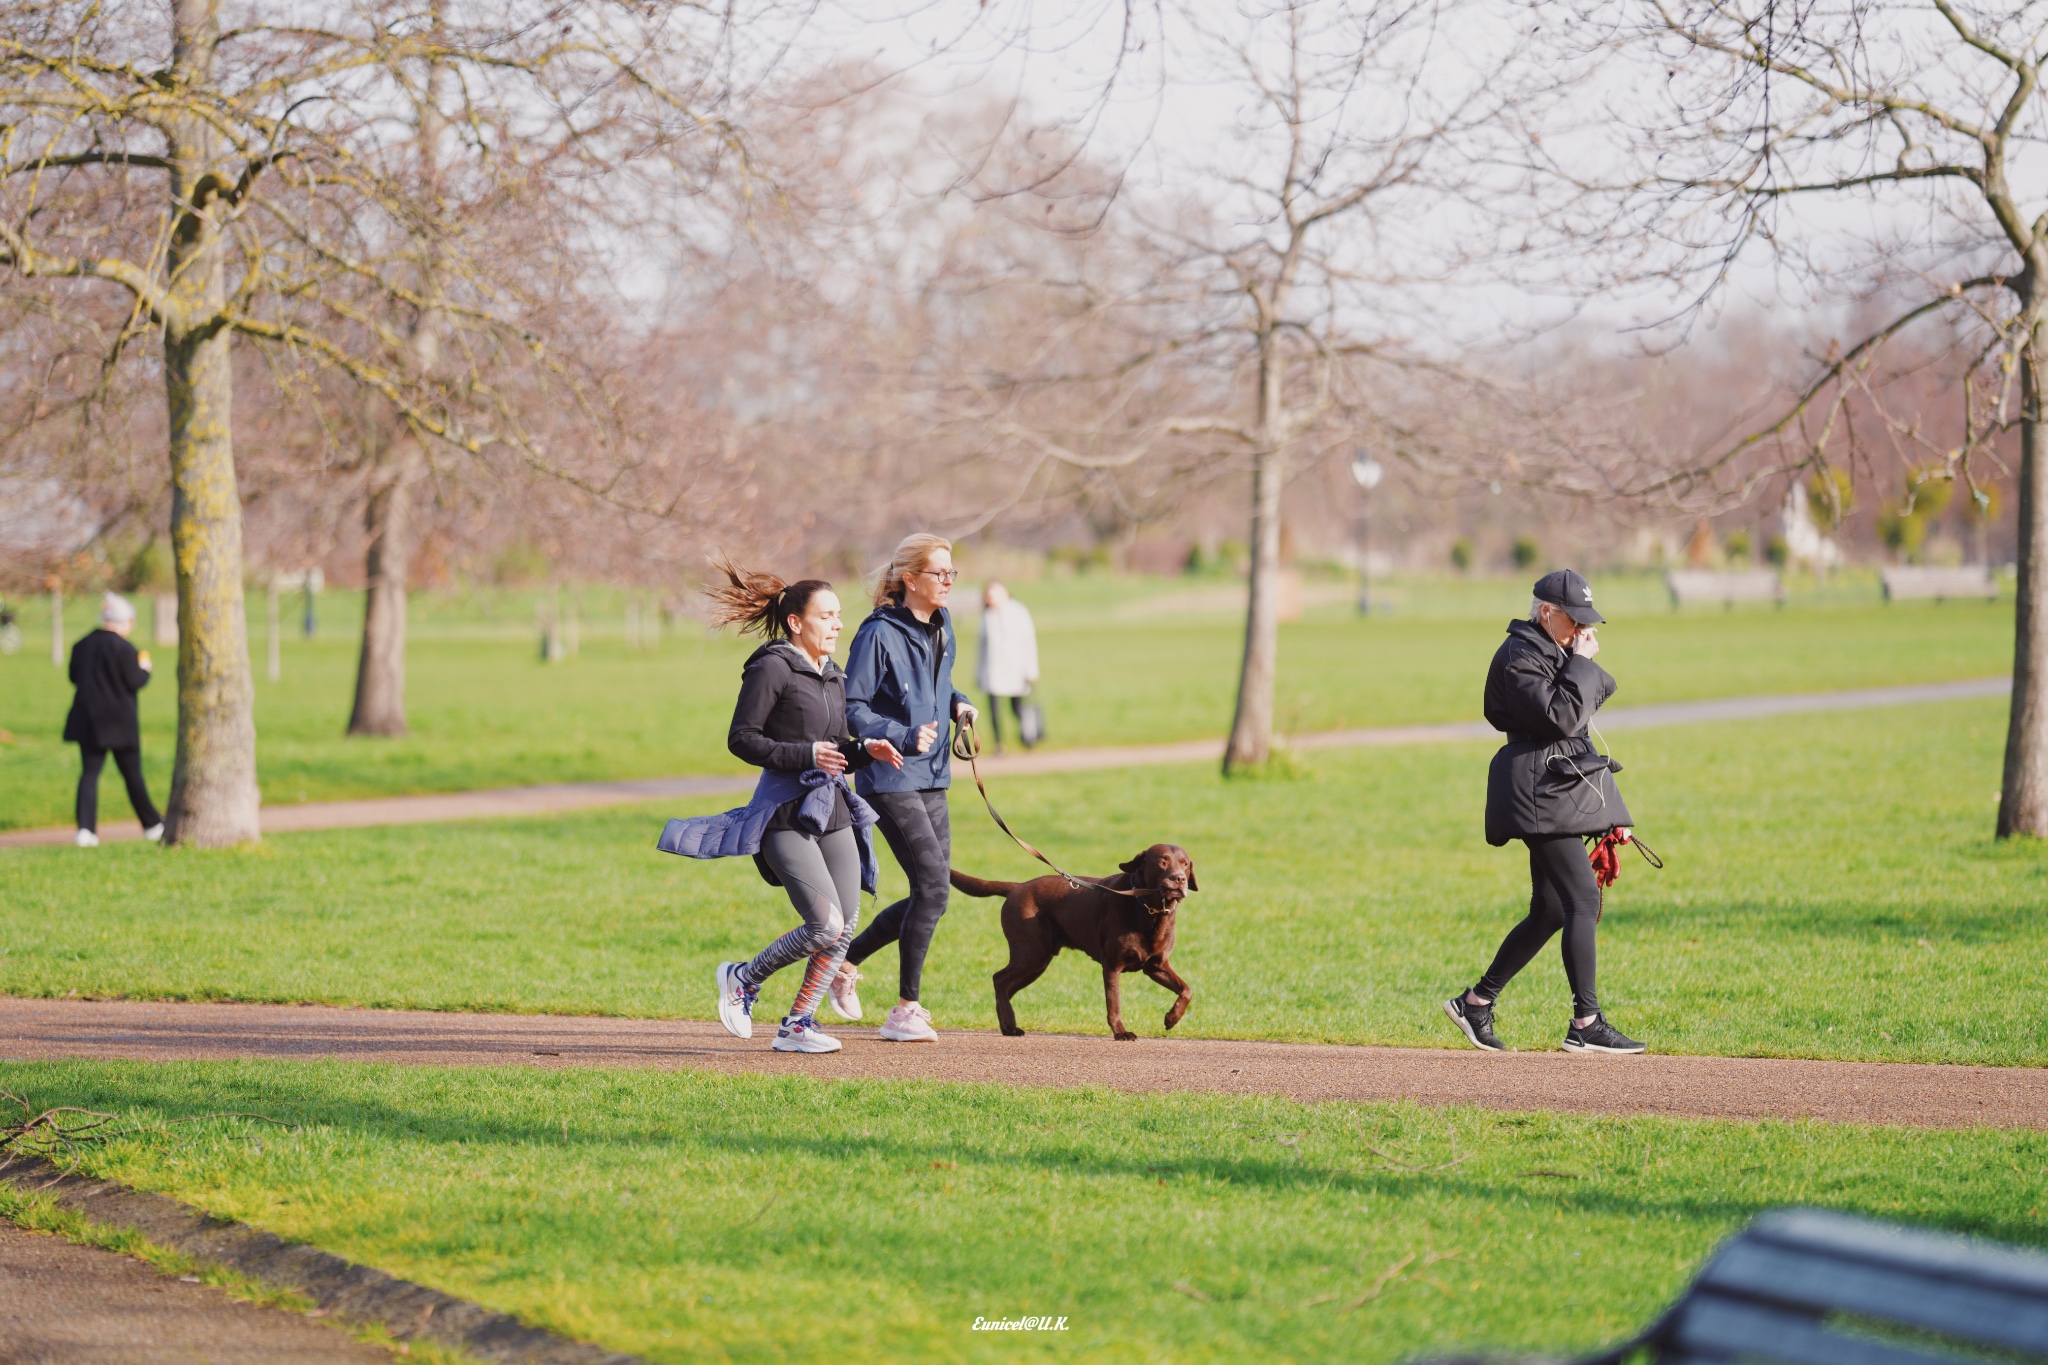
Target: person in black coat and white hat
[
  {"x": 108, "y": 672},
  {"x": 1549, "y": 787}
]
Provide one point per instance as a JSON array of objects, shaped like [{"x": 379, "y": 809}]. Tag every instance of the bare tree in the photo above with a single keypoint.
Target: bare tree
[
  {"x": 394, "y": 453},
  {"x": 234, "y": 176},
  {"x": 1238, "y": 325},
  {"x": 1927, "y": 115}
]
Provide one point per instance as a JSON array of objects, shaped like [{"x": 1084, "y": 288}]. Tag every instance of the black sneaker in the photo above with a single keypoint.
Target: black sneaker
[
  {"x": 1600, "y": 1036},
  {"x": 1475, "y": 1022}
]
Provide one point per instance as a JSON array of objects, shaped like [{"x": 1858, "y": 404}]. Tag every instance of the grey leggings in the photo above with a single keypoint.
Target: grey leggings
[{"x": 822, "y": 876}]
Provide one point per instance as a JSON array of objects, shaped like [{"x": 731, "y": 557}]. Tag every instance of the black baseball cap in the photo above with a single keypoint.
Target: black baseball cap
[{"x": 1566, "y": 589}]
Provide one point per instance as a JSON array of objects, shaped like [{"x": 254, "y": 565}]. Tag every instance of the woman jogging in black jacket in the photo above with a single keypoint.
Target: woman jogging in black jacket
[
  {"x": 807, "y": 832},
  {"x": 1549, "y": 787}
]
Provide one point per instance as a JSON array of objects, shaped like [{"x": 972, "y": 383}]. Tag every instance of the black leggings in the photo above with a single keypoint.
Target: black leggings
[
  {"x": 920, "y": 834},
  {"x": 1562, "y": 895},
  {"x": 129, "y": 761},
  {"x": 995, "y": 716}
]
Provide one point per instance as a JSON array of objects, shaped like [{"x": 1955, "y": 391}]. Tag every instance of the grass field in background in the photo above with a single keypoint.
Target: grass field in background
[
  {"x": 1125, "y": 661},
  {"x": 689, "y": 1217},
  {"x": 1832, "y": 890}
]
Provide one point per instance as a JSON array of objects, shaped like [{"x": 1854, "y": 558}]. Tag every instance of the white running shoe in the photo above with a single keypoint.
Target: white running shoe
[
  {"x": 87, "y": 839},
  {"x": 845, "y": 1000},
  {"x": 155, "y": 832},
  {"x": 801, "y": 1035},
  {"x": 911, "y": 1023},
  {"x": 735, "y": 1001}
]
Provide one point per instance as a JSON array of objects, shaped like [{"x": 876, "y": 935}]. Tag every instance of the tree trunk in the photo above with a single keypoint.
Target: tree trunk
[
  {"x": 2023, "y": 798},
  {"x": 214, "y": 800},
  {"x": 1251, "y": 730},
  {"x": 380, "y": 670}
]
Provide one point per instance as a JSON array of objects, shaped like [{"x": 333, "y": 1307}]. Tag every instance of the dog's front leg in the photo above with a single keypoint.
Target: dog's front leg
[
  {"x": 1006, "y": 1014},
  {"x": 1113, "y": 996},
  {"x": 1163, "y": 972}
]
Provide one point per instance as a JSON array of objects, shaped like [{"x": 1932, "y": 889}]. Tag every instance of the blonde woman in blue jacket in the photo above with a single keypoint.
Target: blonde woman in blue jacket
[{"x": 899, "y": 687}]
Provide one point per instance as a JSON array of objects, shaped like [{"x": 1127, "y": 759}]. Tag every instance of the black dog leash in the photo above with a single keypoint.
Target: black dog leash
[{"x": 966, "y": 747}]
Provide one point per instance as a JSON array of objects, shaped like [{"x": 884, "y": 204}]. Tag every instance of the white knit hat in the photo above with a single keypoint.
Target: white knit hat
[{"x": 114, "y": 609}]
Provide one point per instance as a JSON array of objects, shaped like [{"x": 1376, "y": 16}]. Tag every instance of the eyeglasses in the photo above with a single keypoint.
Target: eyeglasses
[{"x": 943, "y": 575}]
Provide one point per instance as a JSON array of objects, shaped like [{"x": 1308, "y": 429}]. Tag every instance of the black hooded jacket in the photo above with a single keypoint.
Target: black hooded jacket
[
  {"x": 1548, "y": 778},
  {"x": 785, "y": 707}
]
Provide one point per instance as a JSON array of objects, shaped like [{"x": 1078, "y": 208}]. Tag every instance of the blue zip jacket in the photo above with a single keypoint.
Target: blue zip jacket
[{"x": 895, "y": 683}]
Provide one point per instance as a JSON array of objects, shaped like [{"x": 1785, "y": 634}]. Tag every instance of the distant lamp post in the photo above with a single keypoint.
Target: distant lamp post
[
  {"x": 313, "y": 582},
  {"x": 1366, "y": 472}
]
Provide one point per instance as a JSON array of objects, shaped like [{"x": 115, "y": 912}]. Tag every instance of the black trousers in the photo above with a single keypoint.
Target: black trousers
[
  {"x": 995, "y": 716},
  {"x": 919, "y": 830},
  {"x": 129, "y": 761},
  {"x": 1562, "y": 895}
]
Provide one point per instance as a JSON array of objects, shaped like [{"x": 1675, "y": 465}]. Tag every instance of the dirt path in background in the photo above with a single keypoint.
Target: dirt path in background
[
  {"x": 72, "y": 1305},
  {"x": 1700, "y": 1087},
  {"x": 574, "y": 796}
]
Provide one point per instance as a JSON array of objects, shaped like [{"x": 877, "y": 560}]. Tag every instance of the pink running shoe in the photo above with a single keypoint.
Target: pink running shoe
[
  {"x": 845, "y": 999},
  {"x": 911, "y": 1023}
]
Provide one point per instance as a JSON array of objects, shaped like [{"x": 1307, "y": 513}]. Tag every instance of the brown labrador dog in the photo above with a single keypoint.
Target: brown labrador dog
[{"x": 1124, "y": 933}]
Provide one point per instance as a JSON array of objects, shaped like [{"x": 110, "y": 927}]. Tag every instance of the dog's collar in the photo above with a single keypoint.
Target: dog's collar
[{"x": 1140, "y": 894}]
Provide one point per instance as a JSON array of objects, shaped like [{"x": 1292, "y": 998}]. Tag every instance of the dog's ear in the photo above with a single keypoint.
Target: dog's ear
[
  {"x": 1131, "y": 867},
  {"x": 1193, "y": 885}
]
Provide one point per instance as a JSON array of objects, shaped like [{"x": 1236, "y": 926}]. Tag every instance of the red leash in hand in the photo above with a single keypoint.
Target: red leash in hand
[{"x": 1606, "y": 854}]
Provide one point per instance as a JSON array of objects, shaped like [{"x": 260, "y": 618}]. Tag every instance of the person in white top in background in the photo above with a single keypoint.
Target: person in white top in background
[{"x": 1009, "y": 658}]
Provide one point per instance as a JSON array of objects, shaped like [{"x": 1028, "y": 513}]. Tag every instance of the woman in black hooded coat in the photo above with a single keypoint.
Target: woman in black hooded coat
[{"x": 1549, "y": 787}]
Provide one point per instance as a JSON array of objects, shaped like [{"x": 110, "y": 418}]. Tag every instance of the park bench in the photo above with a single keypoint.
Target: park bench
[
  {"x": 1702, "y": 585},
  {"x": 1804, "y": 1287},
  {"x": 1969, "y": 580}
]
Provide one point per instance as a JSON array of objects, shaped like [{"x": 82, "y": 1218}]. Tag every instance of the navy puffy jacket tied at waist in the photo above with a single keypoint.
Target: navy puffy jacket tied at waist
[{"x": 737, "y": 833}]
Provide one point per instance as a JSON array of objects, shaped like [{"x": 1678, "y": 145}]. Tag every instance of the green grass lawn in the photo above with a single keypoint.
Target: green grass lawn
[
  {"x": 1125, "y": 661},
  {"x": 1833, "y": 890},
  {"x": 692, "y": 1217}
]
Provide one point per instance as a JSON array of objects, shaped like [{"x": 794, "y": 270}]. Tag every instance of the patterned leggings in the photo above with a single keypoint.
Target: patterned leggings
[{"x": 822, "y": 876}]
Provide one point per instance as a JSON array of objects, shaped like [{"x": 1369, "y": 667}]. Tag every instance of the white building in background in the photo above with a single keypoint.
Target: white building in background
[{"x": 1804, "y": 544}]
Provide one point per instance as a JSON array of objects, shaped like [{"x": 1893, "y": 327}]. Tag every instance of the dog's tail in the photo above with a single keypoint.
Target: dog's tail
[{"x": 975, "y": 886}]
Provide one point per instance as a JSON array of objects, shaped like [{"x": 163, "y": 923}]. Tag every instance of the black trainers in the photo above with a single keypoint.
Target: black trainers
[
  {"x": 1600, "y": 1036},
  {"x": 1475, "y": 1022}
]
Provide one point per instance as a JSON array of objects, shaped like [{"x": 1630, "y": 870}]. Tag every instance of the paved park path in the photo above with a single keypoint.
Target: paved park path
[
  {"x": 64, "y": 1304},
  {"x": 1701, "y": 1087},
  {"x": 573, "y": 796}
]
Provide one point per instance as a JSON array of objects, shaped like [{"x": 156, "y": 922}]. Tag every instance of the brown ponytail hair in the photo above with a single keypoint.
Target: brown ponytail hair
[
  {"x": 759, "y": 603},
  {"x": 913, "y": 555}
]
